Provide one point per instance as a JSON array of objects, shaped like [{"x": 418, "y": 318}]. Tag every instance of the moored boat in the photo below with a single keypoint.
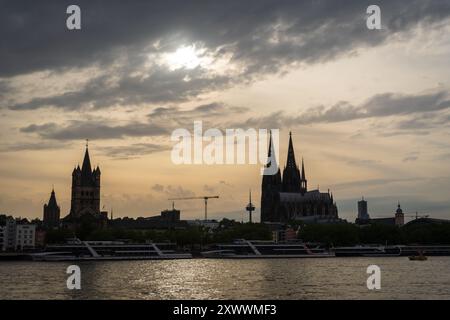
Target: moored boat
[
  {"x": 109, "y": 250},
  {"x": 391, "y": 251},
  {"x": 368, "y": 251},
  {"x": 419, "y": 257},
  {"x": 254, "y": 249}
]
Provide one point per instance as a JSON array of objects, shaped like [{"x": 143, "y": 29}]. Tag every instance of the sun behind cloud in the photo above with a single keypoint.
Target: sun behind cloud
[{"x": 184, "y": 57}]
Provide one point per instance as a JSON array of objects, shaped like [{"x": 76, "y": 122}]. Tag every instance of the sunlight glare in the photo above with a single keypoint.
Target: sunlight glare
[{"x": 184, "y": 57}]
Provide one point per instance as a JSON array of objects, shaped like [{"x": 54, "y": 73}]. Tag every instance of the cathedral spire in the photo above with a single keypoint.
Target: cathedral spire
[
  {"x": 271, "y": 183},
  {"x": 291, "y": 174},
  {"x": 290, "y": 162},
  {"x": 271, "y": 156}
]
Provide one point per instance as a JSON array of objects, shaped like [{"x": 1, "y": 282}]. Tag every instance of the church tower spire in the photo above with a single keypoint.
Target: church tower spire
[
  {"x": 85, "y": 188},
  {"x": 271, "y": 156},
  {"x": 52, "y": 202},
  {"x": 51, "y": 212},
  {"x": 291, "y": 173},
  {"x": 271, "y": 185},
  {"x": 86, "y": 169},
  {"x": 290, "y": 162}
]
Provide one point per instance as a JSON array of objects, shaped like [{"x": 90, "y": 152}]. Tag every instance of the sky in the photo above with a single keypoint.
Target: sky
[{"x": 369, "y": 110}]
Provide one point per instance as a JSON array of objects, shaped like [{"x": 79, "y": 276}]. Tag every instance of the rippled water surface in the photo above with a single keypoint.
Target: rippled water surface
[{"x": 334, "y": 278}]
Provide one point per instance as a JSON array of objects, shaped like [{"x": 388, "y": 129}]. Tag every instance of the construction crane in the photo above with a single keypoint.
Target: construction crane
[
  {"x": 417, "y": 216},
  {"x": 205, "y": 198},
  {"x": 410, "y": 215}
]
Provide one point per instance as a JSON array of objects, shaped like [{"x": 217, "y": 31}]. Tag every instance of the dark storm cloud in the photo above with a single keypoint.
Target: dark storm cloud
[
  {"x": 40, "y": 127},
  {"x": 35, "y": 36},
  {"x": 161, "y": 86},
  {"x": 202, "y": 110},
  {"x": 161, "y": 121},
  {"x": 424, "y": 107},
  {"x": 261, "y": 36},
  {"x": 32, "y": 146},
  {"x": 418, "y": 124},
  {"x": 381, "y": 105},
  {"x": 213, "y": 112},
  {"x": 424, "y": 121},
  {"x": 133, "y": 150},
  {"x": 392, "y": 104},
  {"x": 425, "y": 111},
  {"x": 77, "y": 130}
]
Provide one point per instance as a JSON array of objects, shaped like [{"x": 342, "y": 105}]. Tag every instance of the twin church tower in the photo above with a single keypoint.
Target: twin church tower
[{"x": 287, "y": 198}]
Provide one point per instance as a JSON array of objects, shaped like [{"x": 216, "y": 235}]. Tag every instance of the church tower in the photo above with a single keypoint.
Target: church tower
[
  {"x": 51, "y": 212},
  {"x": 291, "y": 173},
  {"x": 399, "y": 216},
  {"x": 271, "y": 186},
  {"x": 85, "y": 189}
]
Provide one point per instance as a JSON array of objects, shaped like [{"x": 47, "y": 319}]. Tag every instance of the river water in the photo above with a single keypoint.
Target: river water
[{"x": 327, "y": 278}]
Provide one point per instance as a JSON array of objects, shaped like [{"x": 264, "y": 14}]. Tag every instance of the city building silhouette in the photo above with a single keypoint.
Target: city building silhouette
[
  {"x": 286, "y": 197},
  {"x": 51, "y": 212},
  {"x": 85, "y": 189},
  {"x": 85, "y": 199}
]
